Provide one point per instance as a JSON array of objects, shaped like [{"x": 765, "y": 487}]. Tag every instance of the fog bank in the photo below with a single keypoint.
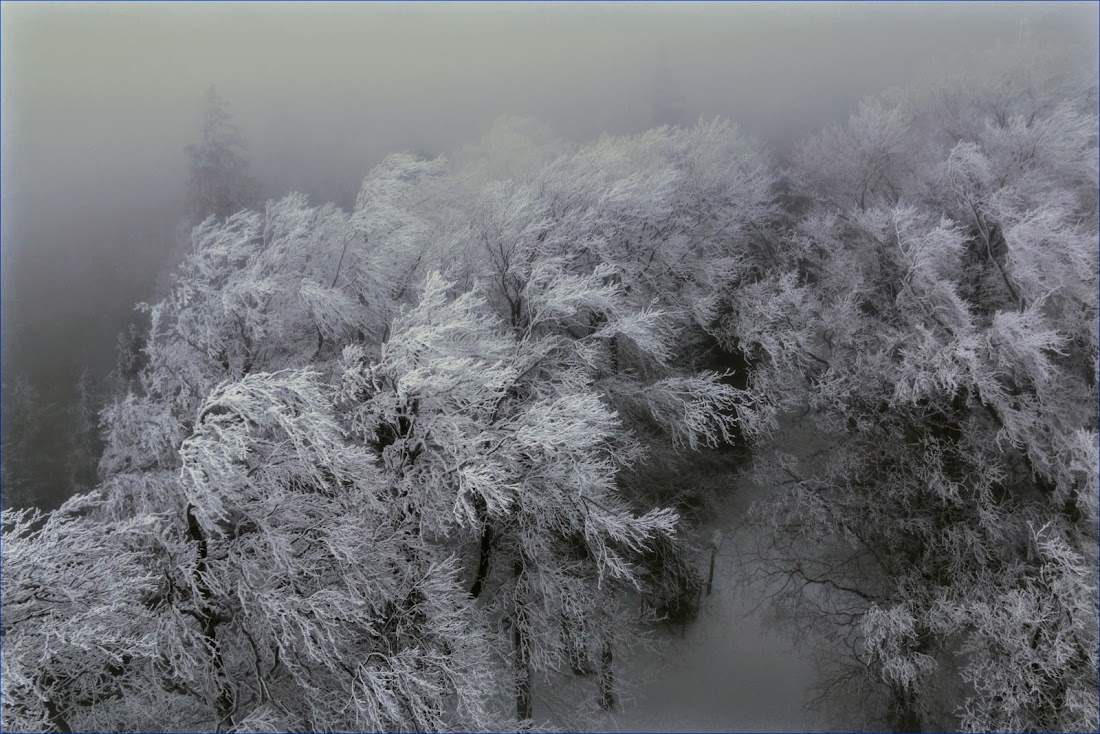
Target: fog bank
[{"x": 99, "y": 100}]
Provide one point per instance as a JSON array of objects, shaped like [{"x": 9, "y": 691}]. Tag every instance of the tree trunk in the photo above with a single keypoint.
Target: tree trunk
[
  {"x": 486, "y": 549},
  {"x": 904, "y": 713},
  {"x": 579, "y": 661},
  {"x": 907, "y": 720},
  {"x": 607, "y": 678},
  {"x": 523, "y": 659},
  {"x": 523, "y": 674},
  {"x": 209, "y": 620},
  {"x": 710, "y": 576}
]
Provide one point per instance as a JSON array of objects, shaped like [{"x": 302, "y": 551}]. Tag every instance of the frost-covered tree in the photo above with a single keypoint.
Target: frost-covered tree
[
  {"x": 499, "y": 446},
  {"x": 863, "y": 163},
  {"x": 301, "y": 569},
  {"x": 271, "y": 595},
  {"x": 344, "y": 565},
  {"x": 383, "y": 638},
  {"x": 671, "y": 217},
  {"x": 76, "y": 628},
  {"x": 656, "y": 225},
  {"x": 936, "y": 326}
]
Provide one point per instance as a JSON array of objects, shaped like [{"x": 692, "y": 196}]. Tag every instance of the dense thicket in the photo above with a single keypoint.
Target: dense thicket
[{"x": 397, "y": 467}]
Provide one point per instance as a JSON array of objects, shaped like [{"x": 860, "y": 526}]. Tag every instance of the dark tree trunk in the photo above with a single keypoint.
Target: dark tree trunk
[
  {"x": 710, "y": 576},
  {"x": 485, "y": 551},
  {"x": 579, "y": 661},
  {"x": 907, "y": 721},
  {"x": 523, "y": 659},
  {"x": 607, "y": 678},
  {"x": 523, "y": 673},
  {"x": 209, "y": 620},
  {"x": 904, "y": 713}
]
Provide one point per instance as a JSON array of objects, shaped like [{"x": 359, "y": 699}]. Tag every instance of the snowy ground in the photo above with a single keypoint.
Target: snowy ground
[{"x": 724, "y": 672}]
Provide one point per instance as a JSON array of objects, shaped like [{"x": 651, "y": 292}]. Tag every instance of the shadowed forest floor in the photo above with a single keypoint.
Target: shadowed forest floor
[{"x": 724, "y": 672}]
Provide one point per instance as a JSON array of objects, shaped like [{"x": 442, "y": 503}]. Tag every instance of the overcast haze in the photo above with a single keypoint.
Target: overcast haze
[{"x": 100, "y": 100}]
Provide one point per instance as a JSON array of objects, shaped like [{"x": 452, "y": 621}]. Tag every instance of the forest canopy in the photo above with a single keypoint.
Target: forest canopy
[{"x": 395, "y": 467}]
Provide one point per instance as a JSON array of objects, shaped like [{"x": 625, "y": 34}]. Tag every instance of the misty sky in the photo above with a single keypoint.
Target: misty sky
[{"x": 98, "y": 101}]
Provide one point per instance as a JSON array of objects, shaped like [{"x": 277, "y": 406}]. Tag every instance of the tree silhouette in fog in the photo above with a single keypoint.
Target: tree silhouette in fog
[{"x": 220, "y": 183}]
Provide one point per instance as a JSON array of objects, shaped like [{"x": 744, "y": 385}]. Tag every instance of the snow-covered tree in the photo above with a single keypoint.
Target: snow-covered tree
[
  {"x": 276, "y": 592},
  {"x": 76, "y": 627},
  {"x": 654, "y": 225},
  {"x": 498, "y": 445},
  {"x": 863, "y": 163},
  {"x": 302, "y": 569},
  {"x": 937, "y": 329},
  {"x": 670, "y": 218},
  {"x": 313, "y": 562},
  {"x": 219, "y": 183}
]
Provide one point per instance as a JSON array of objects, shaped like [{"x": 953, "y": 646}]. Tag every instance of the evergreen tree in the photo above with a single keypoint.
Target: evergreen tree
[{"x": 219, "y": 183}]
